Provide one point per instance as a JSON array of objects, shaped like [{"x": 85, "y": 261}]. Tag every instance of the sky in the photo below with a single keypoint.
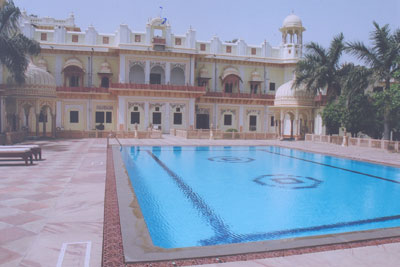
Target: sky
[{"x": 251, "y": 20}]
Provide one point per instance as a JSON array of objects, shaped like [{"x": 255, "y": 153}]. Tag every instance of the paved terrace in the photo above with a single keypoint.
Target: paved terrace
[{"x": 51, "y": 213}]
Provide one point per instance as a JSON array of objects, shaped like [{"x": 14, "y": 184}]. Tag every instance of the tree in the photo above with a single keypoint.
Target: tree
[
  {"x": 320, "y": 68},
  {"x": 14, "y": 46},
  {"x": 383, "y": 59}
]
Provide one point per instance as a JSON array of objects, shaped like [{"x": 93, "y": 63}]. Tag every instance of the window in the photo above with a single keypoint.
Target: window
[
  {"x": 135, "y": 117},
  {"x": 228, "y": 87},
  {"x": 75, "y": 38},
  {"x": 42, "y": 117},
  {"x": 272, "y": 86},
  {"x": 272, "y": 121},
  {"x": 74, "y": 116},
  {"x": 99, "y": 117},
  {"x": 177, "y": 118},
  {"x": 106, "y": 40},
  {"x": 178, "y": 41},
  {"x": 105, "y": 82},
  {"x": 178, "y": 109},
  {"x": 253, "y": 88},
  {"x": 108, "y": 117},
  {"x": 202, "y": 47},
  {"x": 43, "y": 36},
  {"x": 156, "y": 117},
  {"x": 253, "y": 51},
  {"x": 157, "y": 108},
  {"x": 74, "y": 81},
  {"x": 253, "y": 123},
  {"x": 228, "y": 49},
  {"x": 227, "y": 119},
  {"x": 135, "y": 109},
  {"x": 155, "y": 78},
  {"x": 137, "y": 38}
]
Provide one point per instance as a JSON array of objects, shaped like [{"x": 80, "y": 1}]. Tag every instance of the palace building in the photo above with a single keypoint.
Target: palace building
[{"x": 86, "y": 80}]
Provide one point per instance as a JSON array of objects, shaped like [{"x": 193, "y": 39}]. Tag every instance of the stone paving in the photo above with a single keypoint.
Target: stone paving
[{"x": 51, "y": 213}]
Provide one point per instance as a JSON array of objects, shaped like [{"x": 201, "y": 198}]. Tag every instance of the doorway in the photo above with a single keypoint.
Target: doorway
[{"x": 202, "y": 121}]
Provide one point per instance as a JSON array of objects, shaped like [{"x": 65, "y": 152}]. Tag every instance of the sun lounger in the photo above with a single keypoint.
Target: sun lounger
[
  {"x": 24, "y": 153},
  {"x": 36, "y": 150}
]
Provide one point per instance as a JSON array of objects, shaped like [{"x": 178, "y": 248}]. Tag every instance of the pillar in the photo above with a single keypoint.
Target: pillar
[
  {"x": 122, "y": 64},
  {"x": 191, "y": 113},
  {"x": 241, "y": 118},
  {"x": 53, "y": 125},
  {"x": 121, "y": 114},
  {"x": 166, "y": 124},
  {"x": 146, "y": 114},
  {"x": 168, "y": 73},
  {"x": 37, "y": 124},
  {"x": 147, "y": 73}
]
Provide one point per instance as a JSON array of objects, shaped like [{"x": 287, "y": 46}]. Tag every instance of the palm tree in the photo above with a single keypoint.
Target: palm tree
[
  {"x": 382, "y": 58},
  {"x": 14, "y": 46},
  {"x": 320, "y": 68}
]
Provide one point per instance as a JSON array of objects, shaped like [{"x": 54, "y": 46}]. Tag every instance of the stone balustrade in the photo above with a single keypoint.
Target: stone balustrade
[{"x": 361, "y": 142}]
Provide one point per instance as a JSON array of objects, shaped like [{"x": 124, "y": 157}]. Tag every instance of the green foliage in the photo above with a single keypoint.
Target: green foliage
[
  {"x": 14, "y": 46},
  {"x": 389, "y": 101},
  {"x": 320, "y": 67},
  {"x": 232, "y": 130},
  {"x": 332, "y": 117}
]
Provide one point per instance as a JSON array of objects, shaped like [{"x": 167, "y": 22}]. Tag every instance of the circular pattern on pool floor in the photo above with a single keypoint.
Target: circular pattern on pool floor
[
  {"x": 287, "y": 181},
  {"x": 231, "y": 159}
]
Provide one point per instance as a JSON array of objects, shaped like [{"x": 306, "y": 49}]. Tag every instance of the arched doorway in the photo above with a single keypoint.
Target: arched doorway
[
  {"x": 45, "y": 122},
  {"x": 136, "y": 74},
  {"x": 177, "y": 76},
  {"x": 157, "y": 75},
  {"x": 288, "y": 125}
]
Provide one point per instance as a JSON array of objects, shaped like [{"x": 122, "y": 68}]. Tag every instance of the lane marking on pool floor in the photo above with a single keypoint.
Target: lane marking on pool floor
[{"x": 340, "y": 168}]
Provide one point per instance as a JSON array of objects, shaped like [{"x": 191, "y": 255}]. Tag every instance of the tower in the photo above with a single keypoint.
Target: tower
[{"x": 292, "y": 37}]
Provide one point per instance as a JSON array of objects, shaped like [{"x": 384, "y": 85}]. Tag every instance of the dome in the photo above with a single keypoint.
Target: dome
[
  {"x": 42, "y": 63},
  {"x": 292, "y": 21},
  {"x": 256, "y": 77},
  {"x": 38, "y": 83},
  {"x": 203, "y": 73},
  {"x": 288, "y": 96},
  {"x": 105, "y": 68},
  {"x": 230, "y": 71}
]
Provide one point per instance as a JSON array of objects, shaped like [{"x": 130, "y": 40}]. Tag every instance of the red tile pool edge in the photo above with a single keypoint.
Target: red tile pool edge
[{"x": 112, "y": 240}]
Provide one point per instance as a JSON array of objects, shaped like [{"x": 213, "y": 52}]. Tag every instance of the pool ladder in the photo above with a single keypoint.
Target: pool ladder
[{"x": 113, "y": 135}]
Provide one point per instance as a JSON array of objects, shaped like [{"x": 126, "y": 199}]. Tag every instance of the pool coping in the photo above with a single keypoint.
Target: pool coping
[{"x": 138, "y": 247}]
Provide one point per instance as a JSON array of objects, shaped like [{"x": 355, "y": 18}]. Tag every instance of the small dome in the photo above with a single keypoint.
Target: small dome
[
  {"x": 288, "y": 96},
  {"x": 42, "y": 63},
  {"x": 105, "y": 68},
  {"x": 38, "y": 83},
  {"x": 230, "y": 71},
  {"x": 256, "y": 77},
  {"x": 292, "y": 21},
  {"x": 203, "y": 73}
]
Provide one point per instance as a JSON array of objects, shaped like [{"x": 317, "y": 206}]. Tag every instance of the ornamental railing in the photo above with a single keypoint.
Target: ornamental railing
[
  {"x": 239, "y": 95},
  {"x": 82, "y": 89},
  {"x": 162, "y": 87}
]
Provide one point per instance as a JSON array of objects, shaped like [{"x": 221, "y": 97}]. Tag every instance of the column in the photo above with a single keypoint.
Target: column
[
  {"x": 241, "y": 118},
  {"x": 192, "y": 60},
  {"x": 147, "y": 74},
  {"x": 297, "y": 132},
  {"x": 53, "y": 125},
  {"x": 122, "y": 71},
  {"x": 37, "y": 124},
  {"x": 241, "y": 85},
  {"x": 2, "y": 114},
  {"x": 90, "y": 115},
  {"x": 146, "y": 115},
  {"x": 58, "y": 70},
  {"x": 1, "y": 73},
  {"x": 166, "y": 122},
  {"x": 168, "y": 73},
  {"x": 266, "y": 125},
  {"x": 215, "y": 117},
  {"x": 121, "y": 114},
  {"x": 58, "y": 114},
  {"x": 191, "y": 113}
]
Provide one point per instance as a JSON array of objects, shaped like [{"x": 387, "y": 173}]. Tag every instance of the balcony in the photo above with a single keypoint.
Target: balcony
[
  {"x": 159, "y": 43},
  {"x": 97, "y": 90},
  {"x": 158, "y": 87},
  {"x": 321, "y": 100},
  {"x": 239, "y": 95}
]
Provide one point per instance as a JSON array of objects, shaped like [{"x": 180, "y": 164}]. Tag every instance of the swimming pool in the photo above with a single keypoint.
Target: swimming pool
[{"x": 204, "y": 196}]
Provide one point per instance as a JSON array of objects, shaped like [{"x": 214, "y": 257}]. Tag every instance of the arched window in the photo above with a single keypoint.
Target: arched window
[
  {"x": 136, "y": 74},
  {"x": 177, "y": 76},
  {"x": 157, "y": 75},
  {"x": 73, "y": 76},
  {"x": 105, "y": 82}
]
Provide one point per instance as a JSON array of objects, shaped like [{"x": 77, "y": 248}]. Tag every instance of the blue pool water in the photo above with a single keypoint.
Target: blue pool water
[{"x": 199, "y": 196}]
